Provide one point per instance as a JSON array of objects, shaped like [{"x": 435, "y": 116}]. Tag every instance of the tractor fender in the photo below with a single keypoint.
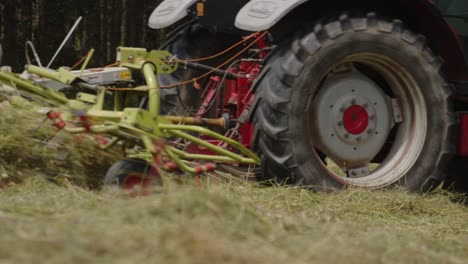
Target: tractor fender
[
  {"x": 260, "y": 15},
  {"x": 169, "y": 12}
]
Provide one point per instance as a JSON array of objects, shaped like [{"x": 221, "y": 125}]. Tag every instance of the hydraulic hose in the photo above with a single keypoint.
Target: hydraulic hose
[{"x": 206, "y": 68}]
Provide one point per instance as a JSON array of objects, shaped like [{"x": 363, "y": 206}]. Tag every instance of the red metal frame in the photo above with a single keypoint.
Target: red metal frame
[{"x": 236, "y": 99}]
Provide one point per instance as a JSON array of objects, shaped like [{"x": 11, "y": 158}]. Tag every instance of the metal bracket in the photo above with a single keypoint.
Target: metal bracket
[
  {"x": 134, "y": 58},
  {"x": 397, "y": 116},
  {"x": 358, "y": 172},
  {"x": 62, "y": 75},
  {"x": 87, "y": 98}
]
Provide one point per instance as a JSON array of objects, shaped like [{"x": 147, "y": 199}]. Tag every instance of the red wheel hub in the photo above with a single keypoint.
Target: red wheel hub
[
  {"x": 355, "y": 119},
  {"x": 134, "y": 180}
]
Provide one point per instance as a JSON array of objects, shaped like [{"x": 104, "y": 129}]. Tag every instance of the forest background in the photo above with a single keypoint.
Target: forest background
[{"x": 106, "y": 25}]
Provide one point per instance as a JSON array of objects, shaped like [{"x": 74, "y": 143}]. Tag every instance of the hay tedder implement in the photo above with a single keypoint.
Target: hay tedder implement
[
  {"x": 171, "y": 143},
  {"x": 368, "y": 94}
]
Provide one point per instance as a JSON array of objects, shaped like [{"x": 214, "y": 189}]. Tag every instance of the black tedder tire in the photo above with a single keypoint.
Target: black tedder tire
[
  {"x": 134, "y": 175},
  {"x": 191, "y": 41},
  {"x": 335, "y": 73}
]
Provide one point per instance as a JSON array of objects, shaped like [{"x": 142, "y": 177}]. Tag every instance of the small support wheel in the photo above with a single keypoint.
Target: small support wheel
[{"x": 134, "y": 175}]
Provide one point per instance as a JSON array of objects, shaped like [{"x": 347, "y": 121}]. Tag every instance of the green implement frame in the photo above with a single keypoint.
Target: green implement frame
[{"x": 136, "y": 124}]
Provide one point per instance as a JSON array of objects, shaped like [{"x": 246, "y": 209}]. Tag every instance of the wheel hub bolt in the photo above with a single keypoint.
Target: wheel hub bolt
[
  {"x": 346, "y": 135},
  {"x": 353, "y": 101},
  {"x": 370, "y": 131},
  {"x": 358, "y": 139},
  {"x": 340, "y": 123}
]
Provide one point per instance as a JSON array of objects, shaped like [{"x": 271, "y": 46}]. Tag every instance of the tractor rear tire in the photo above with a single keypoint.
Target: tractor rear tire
[
  {"x": 133, "y": 175},
  {"x": 381, "y": 54},
  {"x": 191, "y": 41}
]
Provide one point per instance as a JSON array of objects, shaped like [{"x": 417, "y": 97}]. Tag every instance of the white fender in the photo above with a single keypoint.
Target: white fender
[
  {"x": 169, "y": 12},
  {"x": 258, "y": 15}
]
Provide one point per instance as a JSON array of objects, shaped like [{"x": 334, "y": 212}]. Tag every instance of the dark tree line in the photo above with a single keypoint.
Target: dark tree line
[{"x": 106, "y": 24}]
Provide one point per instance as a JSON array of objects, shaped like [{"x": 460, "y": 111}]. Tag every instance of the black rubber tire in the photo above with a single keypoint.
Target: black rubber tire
[
  {"x": 189, "y": 42},
  {"x": 118, "y": 173},
  {"x": 290, "y": 78},
  {"x": 457, "y": 180}
]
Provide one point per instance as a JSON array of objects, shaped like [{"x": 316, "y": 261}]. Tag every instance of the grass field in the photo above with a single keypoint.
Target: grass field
[{"x": 49, "y": 215}]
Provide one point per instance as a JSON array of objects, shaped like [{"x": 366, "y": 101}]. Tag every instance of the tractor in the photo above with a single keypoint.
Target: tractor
[
  {"x": 321, "y": 95},
  {"x": 360, "y": 93}
]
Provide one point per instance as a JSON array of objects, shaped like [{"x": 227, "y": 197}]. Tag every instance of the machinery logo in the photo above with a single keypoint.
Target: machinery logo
[
  {"x": 263, "y": 9},
  {"x": 168, "y": 7}
]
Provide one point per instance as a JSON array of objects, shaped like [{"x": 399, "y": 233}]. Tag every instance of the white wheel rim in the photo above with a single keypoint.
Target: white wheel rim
[{"x": 411, "y": 133}]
